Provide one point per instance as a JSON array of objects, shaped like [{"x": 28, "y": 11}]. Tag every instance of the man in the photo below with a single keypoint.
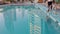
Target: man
[{"x": 49, "y": 4}]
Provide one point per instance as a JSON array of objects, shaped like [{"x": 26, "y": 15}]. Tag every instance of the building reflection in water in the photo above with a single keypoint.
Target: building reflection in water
[{"x": 10, "y": 17}]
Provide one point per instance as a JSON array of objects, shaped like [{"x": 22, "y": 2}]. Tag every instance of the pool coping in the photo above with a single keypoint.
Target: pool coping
[{"x": 19, "y": 4}]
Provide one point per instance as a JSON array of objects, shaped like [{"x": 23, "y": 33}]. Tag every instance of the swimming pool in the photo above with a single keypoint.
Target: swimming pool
[{"x": 16, "y": 19}]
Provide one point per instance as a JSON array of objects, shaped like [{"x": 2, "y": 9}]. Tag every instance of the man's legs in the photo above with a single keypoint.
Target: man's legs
[{"x": 49, "y": 6}]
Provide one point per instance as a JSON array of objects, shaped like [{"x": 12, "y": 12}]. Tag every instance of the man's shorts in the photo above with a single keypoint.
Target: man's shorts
[{"x": 49, "y": 3}]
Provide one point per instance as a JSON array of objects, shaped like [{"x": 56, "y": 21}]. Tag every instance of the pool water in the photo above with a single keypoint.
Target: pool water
[
  {"x": 26, "y": 20},
  {"x": 17, "y": 20}
]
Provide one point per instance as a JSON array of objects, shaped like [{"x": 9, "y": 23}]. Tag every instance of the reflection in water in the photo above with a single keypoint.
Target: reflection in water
[
  {"x": 14, "y": 14},
  {"x": 23, "y": 11},
  {"x": 22, "y": 25},
  {"x": 52, "y": 26},
  {"x": 9, "y": 17}
]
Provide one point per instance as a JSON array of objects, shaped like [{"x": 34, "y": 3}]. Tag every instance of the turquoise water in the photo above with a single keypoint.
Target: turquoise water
[
  {"x": 19, "y": 20},
  {"x": 27, "y": 20},
  {"x": 52, "y": 21}
]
